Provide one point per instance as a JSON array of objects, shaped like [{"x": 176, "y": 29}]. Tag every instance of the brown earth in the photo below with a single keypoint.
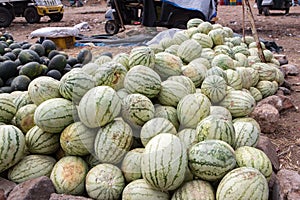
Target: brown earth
[{"x": 282, "y": 29}]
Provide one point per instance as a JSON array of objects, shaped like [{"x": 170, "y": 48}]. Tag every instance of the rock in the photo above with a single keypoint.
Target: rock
[
  {"x": 280, "y": 102},
  {"x": 2, "y": 195},
  {"x": 287, "y": 186},
  {"x": 290, "y": 70},
  {"x": 283, "y": 91},
  {"x": 34, "y": 189},
  {"x": 267, "y": 116},
  {"x": 6, "y": 187},
  {"x": 281, "y": 58},
  {"x": 55, "y": 196},
  {"x": 266, "y": 145}
]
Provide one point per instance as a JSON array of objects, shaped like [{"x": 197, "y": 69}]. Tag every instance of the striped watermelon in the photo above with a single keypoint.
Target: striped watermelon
[
  {"x": 217, "y": 36},
  {"x": 211, "y": 159},
  {"x": 110, "y": 74},
  {"x": 246, "y": 134},
  {"x": 104, "y": 181},
  {"x": 113, "y": 141},
  {"x": 208, "y": 54},
  {"x": 54, "y": 115},
  {"x": 252, "y": 157},
  {"x": 241, "y": 49},
  {"x": 201, "y": 60},
  {"x": 137, "y": 109},
  {"x": 22, "y": 99},
  {"x": 243, "y": 183},
  {"x": 186, "y": 81},
  {"x": 92, "y": 160},
  {"x": 194, "y": 22},
  {"x": 223, "y": 50},
  {"x": 143, "y": 80},
  {"x": 41, "y": 142},
  {"x": 167, "y": 64},
  {"x": 239, "y": 103},
  {"x": 205, "y": 27},
  {"x": 242, "y": 59},
  {"x": 30, "y": 167},
  {"x": 164, "y": 162},
  {"x": 266, "y": 88},
  {"x": 89, "y": 68},
  {"x": 228, "y": 32},
  {"x": 191, "y": 109},
  {"x": 171, "y": 92},
  {"x": 203, "y": 39},
  {"x": 179, "y": 37},
  {"x": 140, "y": 189},
  {"x": 102, "y": 59},
  {"x": 188, "y": 137},
  {"x": 223, "y": 61},
  {"x": 12, "y": 143},
  {"x": 172, "y": 49},
  {"x": 216, "y": 127},
  {"x": 77, "y": 139},
  {"x": 141, "y": 56},
  {"x": 195, "y": 71},
  {"x": 154, "y": 127},
  {"x": 74, "y": 84},
  {"x": 214, "y": 70},
  {"x": 131, "y": 164},
  {"x": 99, "y": 106},
  {"x": 266, "y": 72},
  {"x": 195, "y": 190},
  {"x": 68, "y": 175},
  {"x": 234, "y": 79},
  {"x": 24, "y": 117},
  {"x": 246, "y": 77},
  {"x": 167, "y": 112},
  {"x": 166, "y": 42},
  {"x": 219, "y": 110},
  {"x": 214, "y": 87},
  {"x": 156, "y": 48},
  {"x": 7, "y": 108},
  {"x": 191, "y": 31},
  {"x": 248, "y": 119},
  {"x": 123, "y": 59},
  {"x": 256, "y": 93},
  {"x": 43, "y": 88},
  {"x": 189, "y": 50}
]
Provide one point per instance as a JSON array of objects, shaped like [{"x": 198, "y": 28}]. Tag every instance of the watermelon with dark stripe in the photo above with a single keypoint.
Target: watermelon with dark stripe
[
  {"x": 203, "y": 39},
  {"x": 239, "y": 103},
  {"x": 24, "y": 117},
  {"x": 191, "y": 109},
  {"x": 74, "y": 84},
  {"x": 143, "y": 80},
  {"x": 216, "y": 127},
  {"x": 12, "y": 145},
  {"x": 41, "y": 142},
  {"x": 105, "y": 181},
  {"x": 131, "y": 164},
  {"x": 22, "y": 99},
  {"x": 246, "y": 134},
  {"x": 219, "y": 110},
  {"x": 186, "y": 81},
  {"x": 167, "y": 112},
  {"x": 7, "y": 108},
  {"x": 77, "y": 139},
  {"x": 111, "y": 74},
  {"x": 252, "y": 157},
  {"x": 99, "y": 106},
  {"x": 43, "y": 88},
  {"x": 188, "y": 137},
  {"x": 195, "y": 190},
  {"x": 195, "y": 71},
  {"x": 30, "y": 167},
  {"x": 234, "y": 79},
  {"x": 123, "y": 59},
  {"x": 68, "y": 175},
  {"x": 214, "y": 87},
  {"x": 137, "y": 109},
  {"x": 189, "y": 50},
  {"x": 243, "y": 183},
  {"x": 167, "y": 64},
  {"x": 154, "y": 127},
  {"x": 113, "y": 141},
  {"x": 211, "y": 159},
  {"x": 142, "y": 56},
  {"x": 54, "y": 115},
  {"x": 164, "y": 162},
  {"x": 266, "y": 88},
  {"x": 140, "y": 189}
]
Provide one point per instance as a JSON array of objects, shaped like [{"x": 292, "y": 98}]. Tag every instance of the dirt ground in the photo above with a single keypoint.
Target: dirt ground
[{"x": 282, "y": 29}]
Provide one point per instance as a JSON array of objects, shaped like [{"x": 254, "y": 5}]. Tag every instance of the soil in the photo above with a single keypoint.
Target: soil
[{"x": 282, "y": 29}]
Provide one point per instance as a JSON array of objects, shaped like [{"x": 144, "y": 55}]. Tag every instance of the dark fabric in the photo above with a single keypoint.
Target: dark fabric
[{"x": 149, "y": 13}]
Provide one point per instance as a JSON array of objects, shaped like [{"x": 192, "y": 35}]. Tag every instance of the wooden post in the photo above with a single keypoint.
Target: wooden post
[{"x": 254, "y": 32}]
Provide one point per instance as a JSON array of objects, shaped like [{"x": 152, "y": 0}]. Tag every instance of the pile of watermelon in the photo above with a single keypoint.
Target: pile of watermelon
[{"x": 165, "y": 121}]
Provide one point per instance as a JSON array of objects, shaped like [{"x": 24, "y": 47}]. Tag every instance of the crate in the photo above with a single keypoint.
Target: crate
[{"x": 66, "y": 42}]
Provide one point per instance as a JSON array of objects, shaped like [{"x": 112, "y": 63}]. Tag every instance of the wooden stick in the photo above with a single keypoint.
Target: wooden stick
[{"x": 254, "y": 32}]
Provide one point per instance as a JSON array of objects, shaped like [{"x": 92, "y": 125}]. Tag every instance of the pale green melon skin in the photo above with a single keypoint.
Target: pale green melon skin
[
  {"x": 164, "y": 162},
  {"x": 104, "y": 181},
  {"x": 243, "y": 183},
  {"x": 7, "y": 108},
  {"x": 252, "y": 157},
  {"x": 30, "y": 167},
  {"x": 14, "y": 150},
  {"x": 167, "y": 64},
  {"x": 113, "y": 141},
  {"x": 168, "y": 112},
  {"x": 140, "y": 189},
  {"x": 246, "y": 134},
  {"x": 195, "y": 190},
  {"x": 24, "y": 117},
  {"x": 21, "y": 99},
  {"x": 68, "y": 175},
  {"x": 131, "y": 164},
  {"x": 188, "y": 137},
  {"x": 214, "y": 87},
  {"x": 189, "y": 50}
]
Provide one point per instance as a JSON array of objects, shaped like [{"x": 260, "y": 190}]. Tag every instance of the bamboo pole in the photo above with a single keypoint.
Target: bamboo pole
[{"x": 254, "y": 31}]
